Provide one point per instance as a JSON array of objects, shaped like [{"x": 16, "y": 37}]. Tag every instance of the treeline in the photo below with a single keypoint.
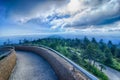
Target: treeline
[
  {"x": 84, "y": 52},
  {"x": 92, "y": 50}
]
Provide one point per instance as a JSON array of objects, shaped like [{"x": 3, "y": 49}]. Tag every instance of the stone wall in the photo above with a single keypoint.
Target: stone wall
[
  {"x": 63, "y": 69},
  {"x": 6, "y": 65}
]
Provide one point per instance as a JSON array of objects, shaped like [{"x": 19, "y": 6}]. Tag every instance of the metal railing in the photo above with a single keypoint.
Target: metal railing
[
  {"x": 86, "y": 73},
  {"x": 5, "y": 51},
  {"x": 4, "y": 54}
]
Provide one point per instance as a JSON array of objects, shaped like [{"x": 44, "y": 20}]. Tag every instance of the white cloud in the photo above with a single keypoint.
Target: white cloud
[
  {"x": 101, "y": 29},
  {"x": 82, "y": 14},
  {"x": 41, "y": 10}
]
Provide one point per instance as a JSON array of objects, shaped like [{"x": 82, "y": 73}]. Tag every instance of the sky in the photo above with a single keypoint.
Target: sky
[{"x": 26, "y": 17}]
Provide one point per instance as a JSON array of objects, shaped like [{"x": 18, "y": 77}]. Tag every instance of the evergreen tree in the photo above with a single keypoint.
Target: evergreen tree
[
  {"x": 113, "y": 50},
  {"x": 108, "y": 56},
  {"x": 110, "y": 44},
  {"x": 85, "y": 42},
  {"x": 102, "y": 45},
  {"x": 75, "y": 58},
  {"x": 118, "y": 52},
  {"x": 101, "y": 41},
  {"x": 94, "y": 41}
]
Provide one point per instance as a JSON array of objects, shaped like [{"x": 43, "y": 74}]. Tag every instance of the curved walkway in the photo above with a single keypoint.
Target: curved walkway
[
  {"x": 111, "y": 73},
  {"x": 30, "y": 66}
]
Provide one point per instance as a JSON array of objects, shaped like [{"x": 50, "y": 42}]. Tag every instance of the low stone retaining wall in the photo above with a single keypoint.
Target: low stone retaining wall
[
  {"x": 63, "y": 69},
  {"x": 6, "y": 65}
]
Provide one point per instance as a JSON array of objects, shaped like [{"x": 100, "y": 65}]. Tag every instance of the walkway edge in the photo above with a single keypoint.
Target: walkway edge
[
  {"x": 7, "y": 65},
  {"x": 63, "y": 69}
]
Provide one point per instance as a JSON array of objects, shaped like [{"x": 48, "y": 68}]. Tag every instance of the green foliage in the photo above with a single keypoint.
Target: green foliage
[
  {"x": 85, "y": 42},
  {"x": 102, "y": 67},
  {"x": 118, "y": 53},
  {"x": 98, "y": 73},
  {"x": 108, "y": 57},
  {"x": 94, "y": 41},
  {"x": 84, "y": 51},
  {"x": 94, "y": 70},
  {"x": 75, "y": 58},
  {"x": 116, "y": 65}
]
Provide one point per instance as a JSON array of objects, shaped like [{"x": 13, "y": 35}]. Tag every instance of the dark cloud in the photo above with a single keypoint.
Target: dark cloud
[
  {"x": 25, "y": 7},
  {"x": 59, "y": 14},
  {"x": 95, "y": 2},
  {"x": 96, "y": 12}
]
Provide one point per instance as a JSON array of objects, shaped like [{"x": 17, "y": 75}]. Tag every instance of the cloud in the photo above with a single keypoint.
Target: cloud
[
  {"x": 86, "y": 13},
  {"x": 26, "y": 10},
  {"x": 82, "y": 12},
  {"x": 101, "y": 29},
  {"x": 66, "y": 15}
]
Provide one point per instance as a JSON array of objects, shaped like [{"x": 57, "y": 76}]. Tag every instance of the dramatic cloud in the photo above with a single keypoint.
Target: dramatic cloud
[
  {"x": 63, "y": 15},
  {"x": 88, "y": 13}
]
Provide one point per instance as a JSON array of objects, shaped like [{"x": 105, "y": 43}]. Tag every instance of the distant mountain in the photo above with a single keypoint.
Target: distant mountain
[{"x": 55, "y": 36}]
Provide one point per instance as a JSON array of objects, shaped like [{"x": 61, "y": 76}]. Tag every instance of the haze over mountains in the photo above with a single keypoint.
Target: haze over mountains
[{"x": 15, "y": 39}]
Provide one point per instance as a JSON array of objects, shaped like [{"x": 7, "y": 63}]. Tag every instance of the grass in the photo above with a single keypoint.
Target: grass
[
  {"x": 115, "y": 65},
  {"x": 97, "y": 72},
  {"x": 92, "y": 69}
]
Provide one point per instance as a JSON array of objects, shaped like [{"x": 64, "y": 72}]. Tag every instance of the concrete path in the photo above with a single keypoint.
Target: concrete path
[
  {"x": 111, "y": 73},
  {"x": 32, "y": 67}
]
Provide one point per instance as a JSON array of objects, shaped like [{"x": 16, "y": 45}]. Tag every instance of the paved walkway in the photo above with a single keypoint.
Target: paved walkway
[
  {"x": 111, "y": 73},
  {"x": 31, "y": 67}
]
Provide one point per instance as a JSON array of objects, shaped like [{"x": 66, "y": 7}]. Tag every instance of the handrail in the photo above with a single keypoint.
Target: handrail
[
  {"x": 8, "y": 49},
  {"x": 86, "y": 73},
  {"x": 4, "y": 54}
]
